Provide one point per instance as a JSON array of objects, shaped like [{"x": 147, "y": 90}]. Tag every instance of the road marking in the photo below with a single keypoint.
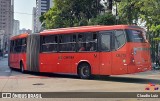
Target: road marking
[{"x": 7, "y": 71}]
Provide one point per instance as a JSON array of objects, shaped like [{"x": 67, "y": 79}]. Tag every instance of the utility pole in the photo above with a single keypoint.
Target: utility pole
[
  {"x": 110, "y": 5},
  {"x": 117, "y": 17}
]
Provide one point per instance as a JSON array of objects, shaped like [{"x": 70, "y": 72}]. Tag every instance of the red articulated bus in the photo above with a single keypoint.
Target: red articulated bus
[{"x": 85, "y": 51}]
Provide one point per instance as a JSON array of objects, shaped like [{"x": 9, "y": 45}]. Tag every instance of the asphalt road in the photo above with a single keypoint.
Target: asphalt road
[{"x": 14, "y": 81}]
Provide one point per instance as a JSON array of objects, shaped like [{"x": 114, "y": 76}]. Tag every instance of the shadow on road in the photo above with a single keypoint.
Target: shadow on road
[
  {"x": 121, "y": 79},
  {"x": 128, "y": 80},
  {"x": 101, "y": 78}
]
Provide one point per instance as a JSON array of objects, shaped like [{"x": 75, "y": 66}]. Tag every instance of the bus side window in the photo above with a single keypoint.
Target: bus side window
[
  {"x": 18, "y": 46},
  {"x": 24, "y": 45},
  {"x": 87, "y": 41},
  {"x": 67, "y": 43},
  {"x": 105, "y": 41},
  {"x": 119, "y": 39},
  {"x": 49, "y": 43},
  {"x": 11, "y": 46}
]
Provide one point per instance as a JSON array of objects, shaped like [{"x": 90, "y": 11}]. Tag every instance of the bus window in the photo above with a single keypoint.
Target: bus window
[
  {"x": 11, "y": 46},
  {"x": 105, "y": 42},
  {"x": 18, "y": 44},
  {"x": 24, "y": 45},
  {"x": 81, "y": 42},
  {"x": 135, "y": 36},
  {"x": 87, "y": 42},
  {"x": 119, "y": 39},
  {"x": 49, "y": 43},
  {"x": 67, "y": 43}
]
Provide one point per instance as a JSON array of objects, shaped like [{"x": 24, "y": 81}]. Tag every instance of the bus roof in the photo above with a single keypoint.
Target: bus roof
[
  {"x": 19, "y": 36},
  {"x": 87, "y": 29}
]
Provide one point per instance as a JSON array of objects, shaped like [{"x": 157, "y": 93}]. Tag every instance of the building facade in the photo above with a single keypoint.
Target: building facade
[
  {"x": 1, "y": 41},
  {"x": 42, "y": 6},
  {"x": 23, "y": 30},
  {"x": 16, "y": 27},
  {"x": 6, "y": 21}
]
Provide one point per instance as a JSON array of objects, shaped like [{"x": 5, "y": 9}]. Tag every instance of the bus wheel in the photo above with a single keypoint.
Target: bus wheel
[
  {"x": 22, "y": 67},
  {"x": 10, "y": 68},
  {"x": 84, "y": 71}
]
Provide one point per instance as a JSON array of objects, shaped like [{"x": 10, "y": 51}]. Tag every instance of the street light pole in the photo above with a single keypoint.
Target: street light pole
[{"x": 117, "y": 17}]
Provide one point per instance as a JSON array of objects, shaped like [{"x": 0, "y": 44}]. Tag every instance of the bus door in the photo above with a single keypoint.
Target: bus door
[
  {"x": 119, "y": 65},
  {"x": 105, "y": 54}
]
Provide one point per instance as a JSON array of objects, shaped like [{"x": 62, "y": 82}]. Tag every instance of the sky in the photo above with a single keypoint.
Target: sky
[{"x": 24, "y": 6}]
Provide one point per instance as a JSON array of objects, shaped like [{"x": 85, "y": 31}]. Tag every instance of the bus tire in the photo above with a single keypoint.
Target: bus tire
[
  {"x": 21, "y": 67},
  {"x": 10, "y": 68},
  {"x": 84, "y": 71}
]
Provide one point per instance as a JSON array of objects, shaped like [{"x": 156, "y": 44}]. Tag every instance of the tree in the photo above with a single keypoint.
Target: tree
[
  {"x": 106, "y": 19},
  {"x": 129, "y": 11},
  {"x": 66, "y": 13},
  {"x": 147, "y": 11}
]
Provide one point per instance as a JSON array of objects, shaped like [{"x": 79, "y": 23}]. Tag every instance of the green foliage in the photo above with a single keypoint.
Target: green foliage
[
  {"x": 106, "y": 19},
  {"x": 83, "y": 22},
  {"x": 67, "y": 13},
  {"x": 156, "y": 39},
  {"x": 155, "y": 28},
  {"x": 146, "y": 10},
  {"x": 129, "y": 11}
]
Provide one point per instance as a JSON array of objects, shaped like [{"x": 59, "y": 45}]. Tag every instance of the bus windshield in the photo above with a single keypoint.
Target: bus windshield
[{"x": 135, "y": 36}]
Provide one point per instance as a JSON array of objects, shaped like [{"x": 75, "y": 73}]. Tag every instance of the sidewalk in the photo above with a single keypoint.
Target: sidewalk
[{"x": 1, "y": 57}]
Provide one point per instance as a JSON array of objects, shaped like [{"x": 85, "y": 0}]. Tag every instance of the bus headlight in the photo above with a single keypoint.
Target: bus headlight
[{"x": 124, "y": 61}]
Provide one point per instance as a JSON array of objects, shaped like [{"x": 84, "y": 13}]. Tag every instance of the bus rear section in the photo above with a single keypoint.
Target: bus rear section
[
  {"x": 17, "y": 53},
  {"x": 138, "y": 51}
]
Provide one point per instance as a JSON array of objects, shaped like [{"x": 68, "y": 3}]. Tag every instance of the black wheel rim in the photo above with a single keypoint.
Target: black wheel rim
[{"x": 85, "y": 71}]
